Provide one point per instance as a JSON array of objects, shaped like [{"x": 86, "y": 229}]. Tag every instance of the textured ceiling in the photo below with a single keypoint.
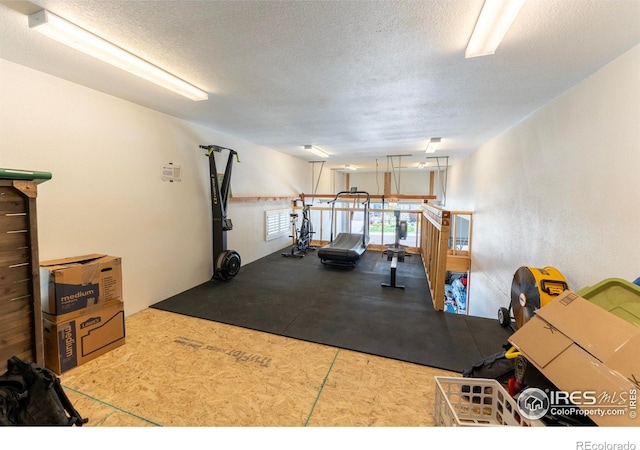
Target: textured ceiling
[{"x": 360, "y": 79}]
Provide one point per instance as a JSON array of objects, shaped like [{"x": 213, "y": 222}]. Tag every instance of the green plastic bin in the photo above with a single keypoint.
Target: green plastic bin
[{"x": 618, "y": 296}]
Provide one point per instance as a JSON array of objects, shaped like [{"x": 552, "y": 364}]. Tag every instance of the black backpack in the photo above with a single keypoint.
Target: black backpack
[
  {"x": 33, "y": 395},
  {"x": 495, "y": 366}
]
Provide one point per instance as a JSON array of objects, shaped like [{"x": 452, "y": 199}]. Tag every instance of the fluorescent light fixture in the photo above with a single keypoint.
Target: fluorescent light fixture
[
  {"x": 433, "y": 144},
  {"x": 493, "y": 23},
  {"x": 350, "y": 167},
  {"x": 422, "y": 165},
  {"x": 316, "y": 151},
  {"x": 78, "y": 38}
]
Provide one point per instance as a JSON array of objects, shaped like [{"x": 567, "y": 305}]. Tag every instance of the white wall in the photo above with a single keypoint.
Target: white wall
[
  {"x": 558, "y": 189},
  {"x": 107, "y": 194}
]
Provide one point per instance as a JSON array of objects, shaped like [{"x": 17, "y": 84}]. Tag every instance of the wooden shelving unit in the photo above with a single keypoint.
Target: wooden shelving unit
[{"x": 20, "y": 307}]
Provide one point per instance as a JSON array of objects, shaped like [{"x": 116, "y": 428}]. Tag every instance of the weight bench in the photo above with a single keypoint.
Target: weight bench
[{"x": 397, "y": 255}]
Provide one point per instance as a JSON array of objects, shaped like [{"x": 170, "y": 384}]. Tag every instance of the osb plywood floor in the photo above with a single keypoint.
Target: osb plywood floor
[{"x": 177, "y": 371}]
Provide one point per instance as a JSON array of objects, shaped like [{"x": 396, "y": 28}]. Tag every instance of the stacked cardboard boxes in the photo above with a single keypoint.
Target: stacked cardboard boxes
[
  {"x": 83, "y": 309},
  {"x": 589, "y": 354}
]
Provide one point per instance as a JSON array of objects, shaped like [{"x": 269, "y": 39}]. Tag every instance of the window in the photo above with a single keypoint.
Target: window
[{"x": 277, "y": 224}]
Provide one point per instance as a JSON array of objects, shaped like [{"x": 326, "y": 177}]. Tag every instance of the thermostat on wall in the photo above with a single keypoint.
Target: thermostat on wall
[{"x": 171, "y": 172}]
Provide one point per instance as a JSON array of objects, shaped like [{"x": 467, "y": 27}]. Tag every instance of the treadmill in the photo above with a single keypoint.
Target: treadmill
[{"x": 347, "y": 248}]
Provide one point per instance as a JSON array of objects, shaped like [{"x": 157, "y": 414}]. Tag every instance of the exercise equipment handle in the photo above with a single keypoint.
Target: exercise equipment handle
[
  {"x": 216, "y": 148},
  {"x": 351, "y": 193},
  {"x": 366, "y": 212}
]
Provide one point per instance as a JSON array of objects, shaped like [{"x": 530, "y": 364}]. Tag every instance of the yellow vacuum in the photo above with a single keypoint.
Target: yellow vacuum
[{"x": 531, "y": 289}]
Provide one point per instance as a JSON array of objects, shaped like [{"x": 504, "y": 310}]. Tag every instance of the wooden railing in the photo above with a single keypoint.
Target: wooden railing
[{"x": 438, "y": 227}]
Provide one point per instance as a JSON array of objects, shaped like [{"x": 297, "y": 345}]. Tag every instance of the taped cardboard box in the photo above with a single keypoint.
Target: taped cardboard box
[
  {"x": 589, "y": 354},
  {"x": 73, "y": 342},
  {"x": 72, "y": 284}
]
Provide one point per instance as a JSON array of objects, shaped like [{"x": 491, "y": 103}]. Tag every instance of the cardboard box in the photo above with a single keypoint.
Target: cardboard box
[
  {"x": 73, "y": 342},
  {"x": 72, "y": 284},
  {"x": 589, "y": 354}
]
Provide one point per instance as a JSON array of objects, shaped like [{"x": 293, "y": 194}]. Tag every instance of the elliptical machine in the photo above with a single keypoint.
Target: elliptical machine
[
  {"x": 302, "y": 236},
  {"x": 226, "y": 262}
]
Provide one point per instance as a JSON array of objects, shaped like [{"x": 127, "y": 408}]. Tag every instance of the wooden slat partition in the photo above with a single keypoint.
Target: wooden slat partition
[
  {"x": 20, "y": 308},
  {"x": 436, "y": 228}
]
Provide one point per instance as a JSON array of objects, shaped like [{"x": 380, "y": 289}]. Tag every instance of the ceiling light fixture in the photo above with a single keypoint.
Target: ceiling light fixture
[
  {"x": 316, "y": 151},
  {"x": 433, "y": 144},
  {"x": 350, "y": 167},
  {"x": 493, "y": 23},
  {"x": 422, "y": 165},
  {"x": 80, "y": 39}
]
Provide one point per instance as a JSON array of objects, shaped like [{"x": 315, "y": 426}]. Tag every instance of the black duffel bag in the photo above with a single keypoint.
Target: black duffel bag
[{"x": 33, "y": 395}]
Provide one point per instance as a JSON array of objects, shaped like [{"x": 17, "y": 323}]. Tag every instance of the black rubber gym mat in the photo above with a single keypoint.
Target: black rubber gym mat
[{"x": 345, "y": 308}]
